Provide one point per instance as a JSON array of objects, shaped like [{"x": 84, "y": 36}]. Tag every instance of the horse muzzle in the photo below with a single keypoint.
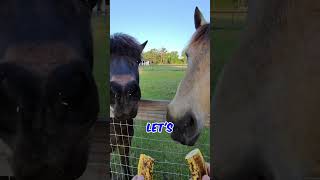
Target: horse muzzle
[{"x": 185, "y": 129}]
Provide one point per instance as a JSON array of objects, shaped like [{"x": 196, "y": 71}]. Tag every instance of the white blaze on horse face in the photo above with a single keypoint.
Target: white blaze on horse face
[{"x": 122, "y": 79}]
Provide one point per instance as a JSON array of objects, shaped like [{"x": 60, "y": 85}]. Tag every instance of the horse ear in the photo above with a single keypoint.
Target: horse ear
[
  {"x": 198, "y": 18},
  {"x": 143, "y": 45}
]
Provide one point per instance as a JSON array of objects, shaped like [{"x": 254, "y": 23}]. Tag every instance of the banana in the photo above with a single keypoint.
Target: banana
[
  {"x": 197, "y": 165},
  {"x": 145, "y": 167}
]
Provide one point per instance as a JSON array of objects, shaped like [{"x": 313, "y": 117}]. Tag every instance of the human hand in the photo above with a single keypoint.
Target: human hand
[
  {"x": 138, "y": 177},
  {"x": 207, "y": 177}
]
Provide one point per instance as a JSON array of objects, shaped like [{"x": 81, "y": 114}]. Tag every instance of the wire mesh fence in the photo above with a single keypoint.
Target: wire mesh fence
[{"x": 169, "y": 155}]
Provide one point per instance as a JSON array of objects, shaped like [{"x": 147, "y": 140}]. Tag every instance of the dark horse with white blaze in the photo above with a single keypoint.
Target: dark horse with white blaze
[
  {"x": 190, "y": 108},
  {"x": 124, "y": 93},
  {"x": 48, "y": 97},
  {"x": 266, "y": 107}
]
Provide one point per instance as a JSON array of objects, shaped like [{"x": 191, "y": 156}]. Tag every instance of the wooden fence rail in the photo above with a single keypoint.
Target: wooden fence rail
[{"x": 154, "y": 110}]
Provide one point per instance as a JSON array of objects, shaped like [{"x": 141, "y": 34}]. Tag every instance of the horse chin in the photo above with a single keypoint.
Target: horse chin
[
  {"x": 185, "y": 140},
  {"x": 126, "y": 116},
  {"x": 129, "y": 113}
]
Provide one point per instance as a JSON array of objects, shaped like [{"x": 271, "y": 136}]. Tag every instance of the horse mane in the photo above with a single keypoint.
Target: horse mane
[
  {"x": 125, "y": 45},
  {"x": 201, "y": 34}
]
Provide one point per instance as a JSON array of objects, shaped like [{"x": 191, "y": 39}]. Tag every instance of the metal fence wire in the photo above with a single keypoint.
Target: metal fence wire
[{"x": 169, "y": 156}]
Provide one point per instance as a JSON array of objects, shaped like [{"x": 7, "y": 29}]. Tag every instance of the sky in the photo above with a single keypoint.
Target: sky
[{"x": 164, "y": 23}]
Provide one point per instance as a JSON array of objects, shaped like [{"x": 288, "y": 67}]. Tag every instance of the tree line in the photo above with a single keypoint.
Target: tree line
[{"x": 163, "y": 56}]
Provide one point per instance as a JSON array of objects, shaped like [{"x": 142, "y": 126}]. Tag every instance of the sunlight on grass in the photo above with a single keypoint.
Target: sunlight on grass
[{"x": 160, "y": 81}]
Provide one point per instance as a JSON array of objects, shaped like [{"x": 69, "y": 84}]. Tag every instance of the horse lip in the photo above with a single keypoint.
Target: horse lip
[
  {"x": 193, "y": 140},
  {"x": 185, "y": 140}
]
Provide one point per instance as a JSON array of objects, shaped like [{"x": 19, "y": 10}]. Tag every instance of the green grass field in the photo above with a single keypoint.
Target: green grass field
[
  {"x": 100, "y": 60},
  {"x": 159, "y": 82}
]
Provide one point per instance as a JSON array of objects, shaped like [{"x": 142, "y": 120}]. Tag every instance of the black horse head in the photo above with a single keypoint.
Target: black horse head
[
  {"x": 48, "y": 98},
  {"x": 124, "y": 75}
]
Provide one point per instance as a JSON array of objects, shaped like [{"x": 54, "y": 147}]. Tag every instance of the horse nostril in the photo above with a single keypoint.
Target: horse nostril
[
  {"x": 189, "y": 121},
  {"x": 117, "y": 96},
  {"x": 115, "y": 90}
]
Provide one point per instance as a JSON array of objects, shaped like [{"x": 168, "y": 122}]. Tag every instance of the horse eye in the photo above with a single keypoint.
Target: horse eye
[
  {"x": 131, "y": 92},
  {"x": 187, "y": 54}
]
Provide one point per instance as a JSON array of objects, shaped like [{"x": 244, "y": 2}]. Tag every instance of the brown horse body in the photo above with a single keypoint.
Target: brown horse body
[{"x": 266, "y": 107}]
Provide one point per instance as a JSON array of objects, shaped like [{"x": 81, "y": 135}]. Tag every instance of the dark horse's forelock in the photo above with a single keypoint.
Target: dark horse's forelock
[{"x": 125, "y": 45}]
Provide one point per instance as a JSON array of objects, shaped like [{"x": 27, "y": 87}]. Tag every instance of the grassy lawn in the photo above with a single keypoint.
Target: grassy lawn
[
  {"x": 100, "y": 59},
  {"x": 160, "y": 81}
]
